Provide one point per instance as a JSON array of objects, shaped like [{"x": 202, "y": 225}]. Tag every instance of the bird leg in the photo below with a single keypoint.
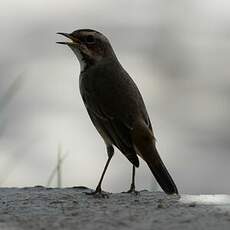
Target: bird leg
[
  {"x": 98, "y": 190},
  {"x": 132, "y": 187}
]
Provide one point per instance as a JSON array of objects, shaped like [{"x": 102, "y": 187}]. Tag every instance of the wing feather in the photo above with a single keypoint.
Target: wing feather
[{"x": 115, "y": 130}]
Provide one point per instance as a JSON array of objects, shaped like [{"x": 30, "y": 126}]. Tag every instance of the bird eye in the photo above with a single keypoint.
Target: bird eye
[{"x": 90, "y": 39}]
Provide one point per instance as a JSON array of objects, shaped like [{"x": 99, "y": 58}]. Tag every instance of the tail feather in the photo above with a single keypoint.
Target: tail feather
[
  {"x": 161, "y": 174},
  {"x": 144, "y": 142}
]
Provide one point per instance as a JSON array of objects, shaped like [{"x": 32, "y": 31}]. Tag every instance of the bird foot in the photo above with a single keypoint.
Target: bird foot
[
  {"x": 132, "y": 191},
  {"x": 98, "y": 193}
]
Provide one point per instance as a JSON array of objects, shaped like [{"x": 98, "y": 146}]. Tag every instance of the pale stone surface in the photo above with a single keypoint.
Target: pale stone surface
[{"x": 70, "y": 208}]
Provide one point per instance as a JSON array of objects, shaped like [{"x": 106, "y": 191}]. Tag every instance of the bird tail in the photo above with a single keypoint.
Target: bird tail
[
  {"x": 144, "y": 141},
  {"x": 160, "y": 172}
]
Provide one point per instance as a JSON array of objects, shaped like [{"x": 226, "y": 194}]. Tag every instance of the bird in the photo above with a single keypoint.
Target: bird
[{"x": 115, "y": 106}]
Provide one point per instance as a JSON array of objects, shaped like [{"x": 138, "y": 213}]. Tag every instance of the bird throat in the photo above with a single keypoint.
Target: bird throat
[
  {"x": 84, "y": 60},
  {"x": 80, "y": 57}
]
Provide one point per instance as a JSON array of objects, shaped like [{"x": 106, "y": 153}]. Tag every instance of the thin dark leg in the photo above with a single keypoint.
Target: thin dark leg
[
  {"x": 98, "y": 190},
  {"x": 132, "y": 187}
]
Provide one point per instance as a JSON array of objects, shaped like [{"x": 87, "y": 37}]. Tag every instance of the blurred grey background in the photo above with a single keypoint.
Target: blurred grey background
[{"x": 178, "y": 53}]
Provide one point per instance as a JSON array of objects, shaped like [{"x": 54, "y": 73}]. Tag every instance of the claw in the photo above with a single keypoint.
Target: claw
[
  {"x": 98, "y": 193},
  {"x": 132, "y": 190}
]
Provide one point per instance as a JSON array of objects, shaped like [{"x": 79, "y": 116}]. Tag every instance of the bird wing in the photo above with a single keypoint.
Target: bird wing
[{"x": 111, "y": 127}]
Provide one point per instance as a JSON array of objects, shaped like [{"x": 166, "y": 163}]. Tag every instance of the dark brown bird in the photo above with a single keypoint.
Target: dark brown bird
[{"x": 115, "y": 106}]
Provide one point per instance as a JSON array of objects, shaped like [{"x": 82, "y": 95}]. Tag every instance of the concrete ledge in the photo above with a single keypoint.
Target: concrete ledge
[{"x": 70, "y": 208}]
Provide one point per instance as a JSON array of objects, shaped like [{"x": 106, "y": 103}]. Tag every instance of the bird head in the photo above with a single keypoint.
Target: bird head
[{"x": 89, "y": 46}]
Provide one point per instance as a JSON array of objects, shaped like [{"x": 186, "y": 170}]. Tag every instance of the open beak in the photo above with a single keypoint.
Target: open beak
[{"x": 73, "y": 41}]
